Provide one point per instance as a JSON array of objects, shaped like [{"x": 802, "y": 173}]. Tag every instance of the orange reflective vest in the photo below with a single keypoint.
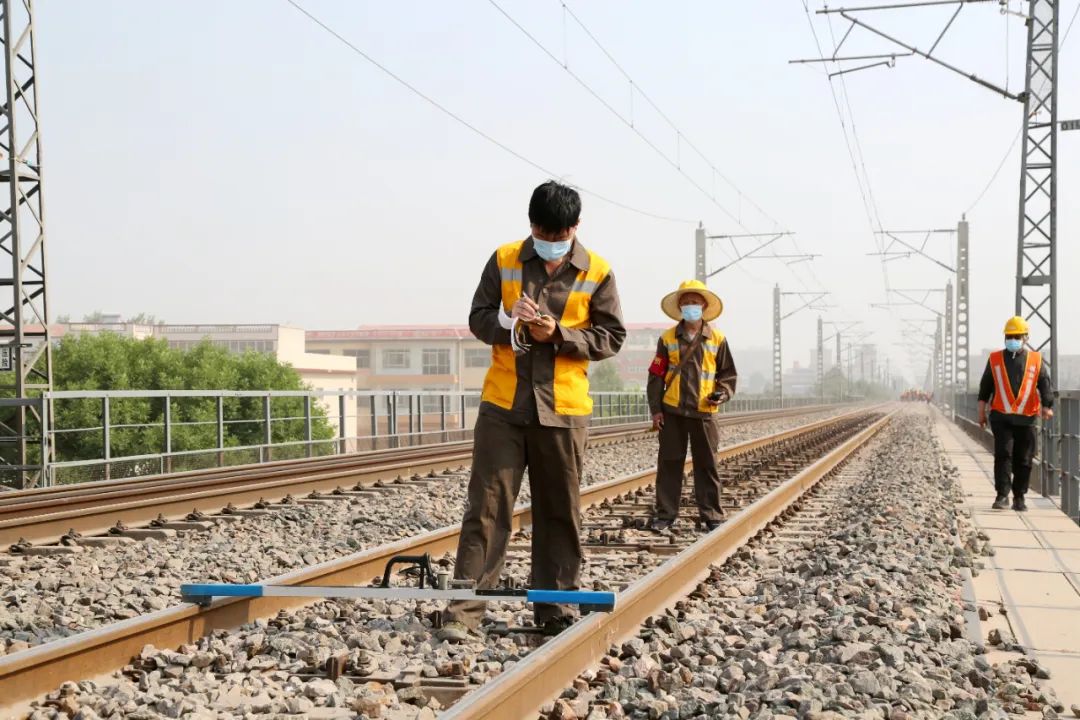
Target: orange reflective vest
[
  {"x": 571, "y": 374},
  {"x": 1026, "y": 401}
]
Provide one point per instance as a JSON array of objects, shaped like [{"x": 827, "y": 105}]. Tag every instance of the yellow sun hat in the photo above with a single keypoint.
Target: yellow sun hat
[{"x": 713, "y": 305}]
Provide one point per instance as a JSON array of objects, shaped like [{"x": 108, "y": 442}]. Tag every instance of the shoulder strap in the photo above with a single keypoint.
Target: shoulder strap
[{"x": 683, "y": 357}]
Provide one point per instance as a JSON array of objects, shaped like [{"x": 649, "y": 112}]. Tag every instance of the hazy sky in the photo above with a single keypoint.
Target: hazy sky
[{"x": 234, "y": 162}]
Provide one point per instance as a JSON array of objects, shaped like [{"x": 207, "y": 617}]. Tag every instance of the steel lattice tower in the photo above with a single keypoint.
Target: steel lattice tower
[
  {"x": 821, "y": 358},
  {"x": 1036, "y": 255},
  {"x": 24, "y": 329}
]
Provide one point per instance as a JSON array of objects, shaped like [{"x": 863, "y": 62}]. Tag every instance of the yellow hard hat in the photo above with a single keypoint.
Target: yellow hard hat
[
  {"x": 1016, "y": 326},
  {"x": 713, "y": 305}
]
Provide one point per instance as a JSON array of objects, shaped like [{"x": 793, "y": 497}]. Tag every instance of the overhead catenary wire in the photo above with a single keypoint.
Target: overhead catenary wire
[
  {"x": 681, "y": 138},
  {"x": 1016, "y": 138},
  {"x": 867, "y": 208},
  {"x": 476, "y": 130},
  {"x": 671, "y": 123},
  {"x": 673, "y": 162},
  {"x": 844, "y": 130},
  {"x": 862, "y": 180}
]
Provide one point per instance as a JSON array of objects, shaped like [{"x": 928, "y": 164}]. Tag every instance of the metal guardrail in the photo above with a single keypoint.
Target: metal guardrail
[
  {"x": 1057, "y": 456},
  {"x": 360, "y": 420}
]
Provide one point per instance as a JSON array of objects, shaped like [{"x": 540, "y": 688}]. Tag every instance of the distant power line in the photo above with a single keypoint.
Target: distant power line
[
  {"x": 628, "y": 120},
  {"x": 465, "y": 123}
]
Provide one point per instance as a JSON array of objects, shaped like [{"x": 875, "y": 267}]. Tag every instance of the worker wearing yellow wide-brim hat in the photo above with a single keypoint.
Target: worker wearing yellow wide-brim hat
[
  {"x": 1016, "y": 385},
  {"x": 692, "y": 374}
]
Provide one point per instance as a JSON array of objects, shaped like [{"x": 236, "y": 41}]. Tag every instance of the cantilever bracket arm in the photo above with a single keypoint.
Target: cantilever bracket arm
[
  {"x": 845, "y": 13},
  {"x": 919, "y": 251},
  {"x": 808, "y": 303},
  {"x": 773, "y": 237}
]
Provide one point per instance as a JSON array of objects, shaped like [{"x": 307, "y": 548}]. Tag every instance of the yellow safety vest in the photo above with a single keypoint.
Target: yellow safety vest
[
  {"x": 707, "y": 383},
  {"x": 571, "y": 374}
]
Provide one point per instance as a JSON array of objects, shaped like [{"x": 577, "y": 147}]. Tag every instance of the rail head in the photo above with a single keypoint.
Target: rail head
[
  {"x": 543, "y": 674},
  {"x": 33, "y": 672}
]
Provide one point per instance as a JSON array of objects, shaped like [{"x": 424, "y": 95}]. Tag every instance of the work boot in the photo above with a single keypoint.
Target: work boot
[
  {"x": 1019, "y": 505},
  {"x": 1001, "y": 502},
  {"x": 453, "y": 632},
  {"x": 659, "y": 525},
  {"x": 556, "y": 625}
]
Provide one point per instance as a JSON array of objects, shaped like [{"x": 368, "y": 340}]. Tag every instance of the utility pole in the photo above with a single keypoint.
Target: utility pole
[
  {"x": 778, "y": 367},
  {"x": 841, "y": 326},
  {"x": 839, "y": 367},
  {"x": 25, "y": 348},
  {"x": 700, "y": 271},
  {"x": 821, "y": 359},
  {"x": 947, "y": 352},
  {"x": 963, "y": 350},
  {"x": 936, "y": 360},
  {"x": 777, "y": 362}
]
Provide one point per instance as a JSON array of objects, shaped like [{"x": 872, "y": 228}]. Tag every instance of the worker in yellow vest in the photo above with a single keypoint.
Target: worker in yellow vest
[
  {"x": 547, "y": 306},
  {"x": 692, "y": 374},
  {"x": 1016, "y": 385}
]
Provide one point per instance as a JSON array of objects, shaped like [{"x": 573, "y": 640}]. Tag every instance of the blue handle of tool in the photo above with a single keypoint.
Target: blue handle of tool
[
  {"x": 572, "y": 597},
  {"x": 202, "y": 590}
]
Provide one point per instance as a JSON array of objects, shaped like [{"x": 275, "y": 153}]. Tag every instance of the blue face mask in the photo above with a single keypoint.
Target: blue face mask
[
  {"x": 551, "y": 250},
  {"x": 1013, "y": 345},
  {"x": 691, "y": 313}
]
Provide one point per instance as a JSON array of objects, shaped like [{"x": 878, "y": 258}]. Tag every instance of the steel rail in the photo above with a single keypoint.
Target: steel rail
[
  {"x": 30, "y": 673},
  {"x": 97, "y": 487},
  {"x": 97, "y": 508},
  {"x": 544, "y": 673}
]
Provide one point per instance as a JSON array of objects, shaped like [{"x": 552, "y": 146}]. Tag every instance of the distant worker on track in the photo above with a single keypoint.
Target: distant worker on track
[
  {"x": 548, "y": 307},
  {"x": 692, "y": 374},
  {"x": 1017, "y": 385}
]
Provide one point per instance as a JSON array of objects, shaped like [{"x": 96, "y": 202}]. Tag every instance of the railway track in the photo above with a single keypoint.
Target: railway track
[
  {"x": 541, "y": 676},
  {"x": 66, "y": 514},
  {"x": 752, "y": 472}
]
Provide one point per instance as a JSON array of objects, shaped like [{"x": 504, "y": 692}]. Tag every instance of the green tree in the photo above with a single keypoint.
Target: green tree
[
  {"x": 605, "y": 377},
  {"x": 112, "y": 362},
  {"x": 145, "y": 318}
]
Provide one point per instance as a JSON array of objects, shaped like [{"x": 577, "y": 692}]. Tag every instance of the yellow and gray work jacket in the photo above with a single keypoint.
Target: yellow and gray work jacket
[
  {"x": 548, "y": 385},
  {"x": 710, "y": 367}
]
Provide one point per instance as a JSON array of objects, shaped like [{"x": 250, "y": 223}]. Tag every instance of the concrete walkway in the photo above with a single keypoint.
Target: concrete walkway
[{"x": 1034, "y": 575}]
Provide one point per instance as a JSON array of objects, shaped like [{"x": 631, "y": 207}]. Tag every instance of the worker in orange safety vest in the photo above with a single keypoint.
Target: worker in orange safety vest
[{"x": 1016, "y": 385}]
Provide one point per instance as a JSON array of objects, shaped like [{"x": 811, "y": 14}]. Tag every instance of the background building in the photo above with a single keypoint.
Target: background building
[{"x": 285, "y": 343}]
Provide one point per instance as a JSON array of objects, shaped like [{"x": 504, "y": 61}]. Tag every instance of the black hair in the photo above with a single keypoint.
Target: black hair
[{"x": 554, "y": 207}]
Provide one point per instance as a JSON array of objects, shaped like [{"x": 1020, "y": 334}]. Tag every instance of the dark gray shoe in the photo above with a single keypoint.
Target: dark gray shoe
[
  {"x": 1019, "y": 505},
  {"x": 1001, "y": 502},
  {"x": 659, "y": 526},
  {"x": 554, "y": 626}
]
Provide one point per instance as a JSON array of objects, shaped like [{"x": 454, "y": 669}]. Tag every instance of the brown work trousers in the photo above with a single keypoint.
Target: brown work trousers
[
  {"x": 501, "y": 452},
  {"x": 704, "y": 437}
]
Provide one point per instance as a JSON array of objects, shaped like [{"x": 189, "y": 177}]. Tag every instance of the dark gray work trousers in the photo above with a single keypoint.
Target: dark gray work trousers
[
  {"x": 501, "y": 452},
  {"x": 1014, "y": 449},
  {"x": 704, "y": 438}
]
